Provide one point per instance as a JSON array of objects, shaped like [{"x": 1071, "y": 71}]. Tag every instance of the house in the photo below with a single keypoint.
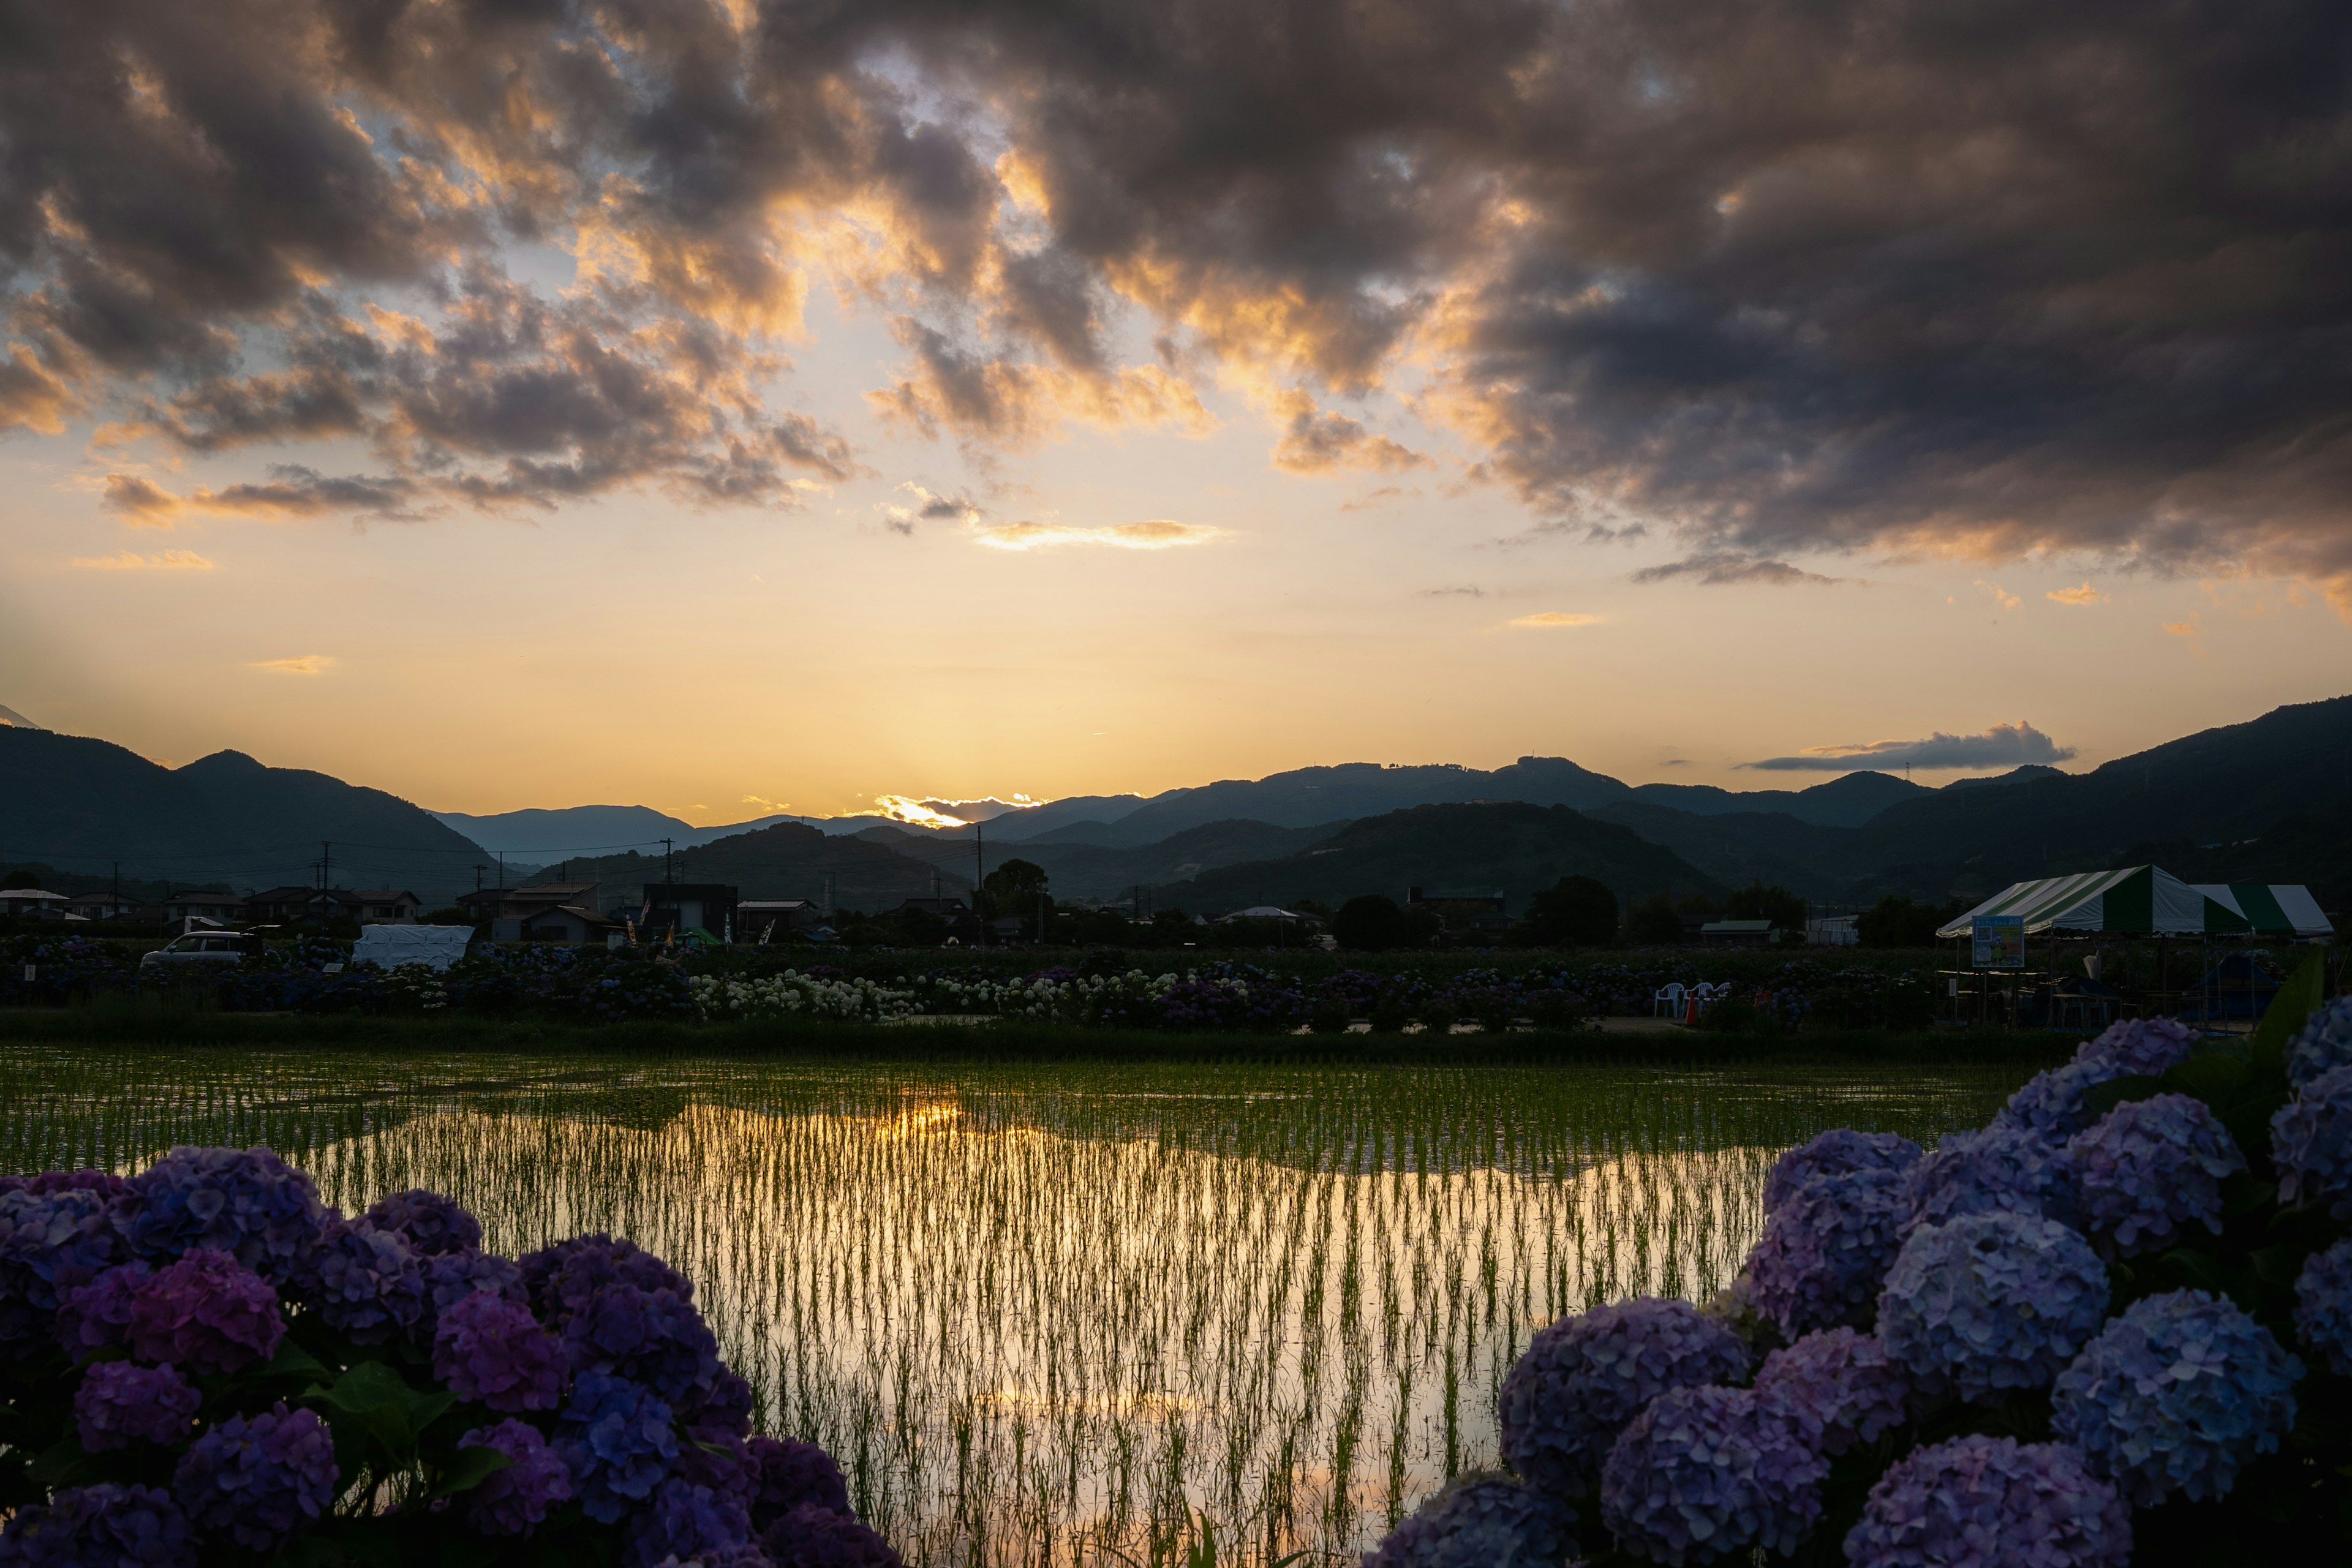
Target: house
[
  {"x": 299, "y": 905},
  {"x": 486, "y": 904},
  {"x": 1834, "y": 931},
  {"x": 35, "y": 901},
  {"x": 1479, "y": 911},
  {"x": 221, "y": 909},
  {"x": 567, "y": 922},
  {"x": 388, "y": 906},
  {"x": 101, "y": 906},
  {"x": 1736, "y": 934},
  {"x": 1262, "y": 912},
  {"x": 682, "y": 906},
  {"x": 763, "y": 920}
]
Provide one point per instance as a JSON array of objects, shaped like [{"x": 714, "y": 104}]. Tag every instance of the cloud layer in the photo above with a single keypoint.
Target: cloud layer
[
  {"x": 1943, "y": 298},
  {"x": 2002, "y": 746}
]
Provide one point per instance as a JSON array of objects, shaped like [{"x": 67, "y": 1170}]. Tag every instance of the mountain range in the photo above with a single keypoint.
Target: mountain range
[{"x": 2265, "y": 799}]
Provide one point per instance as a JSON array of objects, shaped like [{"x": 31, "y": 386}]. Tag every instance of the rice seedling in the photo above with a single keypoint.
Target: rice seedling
[{"x": 1061, "y": 1315}]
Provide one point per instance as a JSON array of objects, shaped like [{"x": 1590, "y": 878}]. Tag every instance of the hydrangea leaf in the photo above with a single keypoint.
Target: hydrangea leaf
[
  {"x": 470, "y": 1469},
  {"x": 2102, "y": 1097},
  {"x": 2213, "y": 1077},
  {"x": 2302, "y": 994},
  {"x": 291, "y": 1361},
  {"x": 62, "y": 1465}
]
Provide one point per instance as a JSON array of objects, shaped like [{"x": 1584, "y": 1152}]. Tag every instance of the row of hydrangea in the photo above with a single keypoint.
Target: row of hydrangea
[
  {"x": 202, "y": 1363},
  {"x": 2132, "y": 1291},
  {"x": 793, "y": 994}
]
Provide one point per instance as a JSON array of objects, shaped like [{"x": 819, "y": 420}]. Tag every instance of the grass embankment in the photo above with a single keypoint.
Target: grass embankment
[{"x": 1003, "y": 1040}]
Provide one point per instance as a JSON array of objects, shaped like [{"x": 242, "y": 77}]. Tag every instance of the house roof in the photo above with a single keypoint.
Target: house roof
[
  {"x": 377, "y": 895},
  {"x": 591, "y": 916},
  {"x": 24, "y": 893},
  {"x": 754, "y": 906},
  {"x": 196, "y": 897}
]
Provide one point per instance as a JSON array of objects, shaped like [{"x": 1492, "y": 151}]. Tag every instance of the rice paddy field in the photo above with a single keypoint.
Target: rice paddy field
[{"x": 1061, "y": 1314}]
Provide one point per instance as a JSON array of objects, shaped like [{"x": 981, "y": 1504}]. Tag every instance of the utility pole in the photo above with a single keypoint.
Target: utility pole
[
  {"x": 978, "y": 875},
  {"x": 326, "y": 864},
  {"x": 666, "y": 878}
]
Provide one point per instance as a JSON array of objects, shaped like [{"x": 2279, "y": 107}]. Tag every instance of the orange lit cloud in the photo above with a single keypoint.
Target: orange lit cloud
[
  {"x": 131, "y": 561},
  {"x": 301, "y": 663},
  {"x": 1157, "y": 534},
  {"x": 2086, "y": 594},
  {"x": 1546, "y": 620}
]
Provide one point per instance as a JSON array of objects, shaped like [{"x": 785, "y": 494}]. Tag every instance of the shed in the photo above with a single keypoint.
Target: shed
[
  {"x": 2272, "y": 908},
  {"x": 2139, "y": 900},
  {"x": 390, "y": 946},
  {"x": 567, "y": 922}
]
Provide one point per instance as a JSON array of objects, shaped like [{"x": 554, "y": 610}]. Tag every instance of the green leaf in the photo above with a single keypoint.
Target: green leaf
[
  {"x": 2213, "y": 1077},
  {"x": 2103, "y": 1098},
  {"x": 2296, "y": 1001},
  {"x": 370, "y": 1386},
  {"x": 64, "y": 1465},
  {"x": 470, "y": 1469},
  {"x": 291, "y": 1361}
]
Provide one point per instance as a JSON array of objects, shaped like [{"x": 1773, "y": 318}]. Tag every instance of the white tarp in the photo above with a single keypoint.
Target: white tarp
[
  {"x": 2271, "y": 908},
  {"x": 389, "y": 947},
  {"x": 2144, "y": 901}
]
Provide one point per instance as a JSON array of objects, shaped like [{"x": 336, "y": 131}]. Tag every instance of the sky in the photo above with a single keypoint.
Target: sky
[{"x": 736, "y": 407}]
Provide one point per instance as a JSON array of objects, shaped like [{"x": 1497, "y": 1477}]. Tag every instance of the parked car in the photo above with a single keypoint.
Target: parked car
[{"x": 203, "y": 948}]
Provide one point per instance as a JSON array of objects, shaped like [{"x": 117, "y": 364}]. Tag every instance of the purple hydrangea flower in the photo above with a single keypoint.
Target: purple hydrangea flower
[
  {"x": 367, "y": 1285},
  {"x": 2311, "y": 1139},
  {"x": 119, "y": 1403},
  {"x": 511, "y": 1501},
  {"x": 1825, "y": 1246},
  {"x": 2005, "y": 1168},
  {"x": 2149, "y": 1168},
  {"x": 2174, "y": 1394},
  {"x": 1840, "y": 1152},
  {"x": 2143, "y": 1047},
  {"x": 617, "y": 1438},
  {"x": 812, "y": 1537},
  {"x": 652, "y": 1337},
  {"x": 50, "y": 1243},
  {"x": 97, "y": 1316},
  {"x": 724, "y": 1406},
  {"x": 1706, "y": 1471},
  {"x": 2051, "y": 1103},
  {"x": 1837, "y": 1388},
  {"x": 103, "y": 1526},
  {"x": 1991, "y": 1502},
  {"x": 257, "y": 1480},
  {"x": 562, "y": 1279},
  {"x": 246, "y": 1202},
  {"x": 2322, "y": 1045},
  {"x": 685, "y": 1521},
  {"x": 1991, "y": 1302},
  {"x": 790, "y": 1474},
  {"x": 450, "y": 1276},
  {"x": 2322, "y": 1305},
  {"x": 430, "y": 1223},
  {"x": 105, "y": 1183},
  {"x": 1480, "y": 1521},
  {"x": 206, "y": 1312},
  {"x": 493, "y": 1350},
  {"x": 1585, "y": 1376}
]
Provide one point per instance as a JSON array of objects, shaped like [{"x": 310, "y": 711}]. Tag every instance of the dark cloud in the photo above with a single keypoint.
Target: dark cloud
[
  {"x": 1784, "y": 276},
  {"x": 2002, "y": 746},
  {"x": 1464, "y": 591},
  {"x": 1718, "y": 568}
]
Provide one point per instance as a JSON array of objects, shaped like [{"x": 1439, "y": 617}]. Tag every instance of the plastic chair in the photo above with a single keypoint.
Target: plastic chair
[{"x": 1669, "y": 1001}]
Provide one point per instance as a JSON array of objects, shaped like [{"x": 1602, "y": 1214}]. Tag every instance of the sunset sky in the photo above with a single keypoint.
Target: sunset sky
[{"x": 737, "y": 409}]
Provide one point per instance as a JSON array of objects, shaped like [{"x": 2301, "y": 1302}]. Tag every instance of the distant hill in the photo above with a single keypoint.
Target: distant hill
[
  {"x": 2314, "y": 848},
  {"x": 788, "y": 860},
  {"x": 1095, "y": 871},
  {"x": 84, "y": 805},
  {"x": 1739, "y": 847},
  {"x": 1518, "y": 848},
  {"x": 1847, "y": 801}
]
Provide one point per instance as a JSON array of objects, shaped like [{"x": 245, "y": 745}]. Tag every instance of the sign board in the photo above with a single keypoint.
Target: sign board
[{"x": 1997, "y": 941}]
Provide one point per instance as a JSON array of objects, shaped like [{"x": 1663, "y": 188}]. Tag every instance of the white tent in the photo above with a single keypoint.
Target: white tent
[
  {"x": 2272, "y": 908},
  {"x": 389, "y": 947},
  {"x": 2139, "y": 900}
]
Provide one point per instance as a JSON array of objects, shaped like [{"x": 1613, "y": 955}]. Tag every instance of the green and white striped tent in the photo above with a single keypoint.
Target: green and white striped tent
[
  {"x": 2139, "y": 900},
  {"x": 2272, "y": 908}
]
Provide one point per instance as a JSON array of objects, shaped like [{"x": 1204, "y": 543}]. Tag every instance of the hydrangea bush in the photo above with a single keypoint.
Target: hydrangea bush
[
  {"x": 2113, "y": 1326},
  {"x": 203, "y": 1364}
]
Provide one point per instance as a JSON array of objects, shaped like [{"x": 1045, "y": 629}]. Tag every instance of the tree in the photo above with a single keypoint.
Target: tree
[
  {"x": 1775, "y": 903},
  {"x": 1895, "y": 922},
  {"x": 1369, "y": 923},
  {"x": 1654, "y": 922},
  {"x": 1575, "y": 911},
  {"x": 1014, "y": 889}
]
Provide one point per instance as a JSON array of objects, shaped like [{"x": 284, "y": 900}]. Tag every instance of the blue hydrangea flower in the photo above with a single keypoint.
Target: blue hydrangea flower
[
  {"x": 1706, "y": 1471},
  {"x": 208, "y": 1313},
  {"x": 2175, "y": 1394},
  {"x": 367, "y": 1285},
  {"x": 1835, "y": 1388},
  {"x": 1480, "y": 1521},
  {"x": 812, "y": 1537},
  {"x": 97, "y": 1316},
  {"x": 50, "y": 1243},
  {"x": 257, "y": 1480},
  {"x": 1991, "y": 1302},
  {"x": 511, "y": 1501},
  {"x": 1825, "y": 1247},
  {"x": 2051, "y": 1103},
  {"x": 789, "y": 1474},
  {"x": 430, "y": 1223},
  {"x": 1840, "y": 1152},
  {"x": 2311, "y": 1139},
  {"x": 683, "y": 1522},
  {"x": 2322, "y": 1045},
  {"x": 104, "y": 1526},
  {"x": 1991, "y": 1502},
  {"x": 2322, "y": 1305},
  {"x": 119, "y": 1403},
  {"x": 562, "y": 1279},
  {"x": 493, "y": 1350},
  {"x": 2005, "y": 1168},
  {"x": 245, "y": 1202},
  {"x": 450, "y": 1276},
  {"x": 2141, "y": 1048},
  {"x": 1586, "y": 1375},
  {"x": 617, "y": 1436},
  {"x": 652, "y": 1337},
  {"x": 2151, "y": 1167}
]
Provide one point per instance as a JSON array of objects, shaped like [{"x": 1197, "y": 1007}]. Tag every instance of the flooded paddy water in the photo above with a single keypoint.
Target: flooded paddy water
[{"x": 1056, "y": 1314}]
